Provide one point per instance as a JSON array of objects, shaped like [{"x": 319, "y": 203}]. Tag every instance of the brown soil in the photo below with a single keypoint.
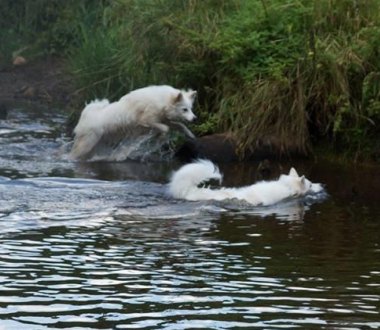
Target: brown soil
[{"x": 41, "y": 80}]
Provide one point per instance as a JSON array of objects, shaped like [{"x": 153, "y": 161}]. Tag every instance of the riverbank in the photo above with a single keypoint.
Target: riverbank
[
  {"x": 297, "y": 74},
  {"x": 43, "y": 80},
  {"x": 47, "y": 81}
]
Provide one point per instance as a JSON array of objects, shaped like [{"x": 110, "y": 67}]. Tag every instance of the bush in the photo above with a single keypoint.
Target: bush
[
  {"x": 41, "y": 27},
  {"x": 300, "y": 71},
  {"x": 295, "y": 70}
]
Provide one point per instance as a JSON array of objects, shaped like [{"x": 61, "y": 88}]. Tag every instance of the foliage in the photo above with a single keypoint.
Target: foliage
[
  {"x": 301, "y": 71},
  {"x": 40, "y": 27}
]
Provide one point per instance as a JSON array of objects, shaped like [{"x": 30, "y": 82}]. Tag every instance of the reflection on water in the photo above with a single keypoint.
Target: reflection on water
[
  {"x": 199, "y": 272},
  {"x": 101, "y": 245}
]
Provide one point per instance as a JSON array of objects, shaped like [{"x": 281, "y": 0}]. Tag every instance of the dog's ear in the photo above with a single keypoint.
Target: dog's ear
[
  {"x": 192, "y": 95},
  {"x": 293, "y": 172},
  {"x": 178, "y": 98}
]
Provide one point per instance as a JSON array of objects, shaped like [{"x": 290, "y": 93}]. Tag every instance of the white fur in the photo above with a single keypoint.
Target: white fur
[
  {"x": 184, "y": 185},
  {"x": 153, "y": 106}
]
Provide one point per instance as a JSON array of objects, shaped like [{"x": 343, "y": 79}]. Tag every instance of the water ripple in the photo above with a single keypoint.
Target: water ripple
[
  {"x": 145, "y": 279},
  {"x": 119, "y": 254}
]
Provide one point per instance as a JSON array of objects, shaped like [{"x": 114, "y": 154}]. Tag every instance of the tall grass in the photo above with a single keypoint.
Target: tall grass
[
  {"x": 144, "y": 42},
  {"x": 297, "y": 71},
  {"x": 294, "y": 70},
  {"x": 41, "y": 27}
]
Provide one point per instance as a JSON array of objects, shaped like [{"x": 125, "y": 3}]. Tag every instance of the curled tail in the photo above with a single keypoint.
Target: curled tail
[{"x": 189, "y": 176}]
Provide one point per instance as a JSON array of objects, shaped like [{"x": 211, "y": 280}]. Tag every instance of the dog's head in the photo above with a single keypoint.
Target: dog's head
[
  {"x": 182, "y": 105},
  {"x": 299, "y": 184}
]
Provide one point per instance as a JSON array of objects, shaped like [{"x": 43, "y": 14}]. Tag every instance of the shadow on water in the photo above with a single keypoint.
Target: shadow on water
[{"x": 100, "y": 245}]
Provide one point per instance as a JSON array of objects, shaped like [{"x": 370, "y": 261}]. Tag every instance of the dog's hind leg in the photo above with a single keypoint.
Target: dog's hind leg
[{"x": 83, "y": 145}]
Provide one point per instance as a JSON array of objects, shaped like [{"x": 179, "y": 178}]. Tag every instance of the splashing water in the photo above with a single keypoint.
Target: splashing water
[{"x": 138, "y": 144}]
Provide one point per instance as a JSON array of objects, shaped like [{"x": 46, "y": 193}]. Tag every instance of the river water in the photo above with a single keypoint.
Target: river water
[{"x": 100, "y": 245}]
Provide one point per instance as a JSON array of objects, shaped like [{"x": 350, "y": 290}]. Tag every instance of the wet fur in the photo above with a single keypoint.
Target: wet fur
[
  {"x": 185, "y": 182},
  {"x": 155, "y": 106}
]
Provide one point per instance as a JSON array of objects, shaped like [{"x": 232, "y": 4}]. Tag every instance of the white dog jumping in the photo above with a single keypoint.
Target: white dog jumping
[
  {"x": 153, "y": 106},
  {"x": 184, "y": 185}
]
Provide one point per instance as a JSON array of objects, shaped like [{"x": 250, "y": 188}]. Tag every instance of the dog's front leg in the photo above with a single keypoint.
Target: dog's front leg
[
  {"x": 161, "y": 127},
  {"x": 184, "y": 129}
]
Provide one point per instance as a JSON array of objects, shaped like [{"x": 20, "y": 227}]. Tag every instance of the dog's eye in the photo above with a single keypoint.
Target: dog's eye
[{"x": 185, "y": 109}]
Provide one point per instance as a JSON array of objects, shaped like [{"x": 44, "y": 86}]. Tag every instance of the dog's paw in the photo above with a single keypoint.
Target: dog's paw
[{"x": 191, "y": 135}]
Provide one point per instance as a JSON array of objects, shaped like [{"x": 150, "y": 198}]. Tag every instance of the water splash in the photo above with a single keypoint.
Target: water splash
[{"x": 137, "y": 144}]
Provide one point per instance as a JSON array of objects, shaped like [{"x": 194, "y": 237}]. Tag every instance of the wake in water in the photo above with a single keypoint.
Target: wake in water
[{"x": 53, "y": 201}]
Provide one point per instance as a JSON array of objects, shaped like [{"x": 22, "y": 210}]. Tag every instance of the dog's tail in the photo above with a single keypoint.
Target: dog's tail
[
  {"x": 97, "y": 104},
  {"x": 189, "y": 176},
  {"x": 89, "y": 110}
]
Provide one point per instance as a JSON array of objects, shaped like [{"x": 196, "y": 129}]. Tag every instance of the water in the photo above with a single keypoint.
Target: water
[{"x": 101, "y": 246}]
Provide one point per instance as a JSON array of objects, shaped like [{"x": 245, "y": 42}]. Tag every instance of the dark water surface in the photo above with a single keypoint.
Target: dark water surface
[{"x": 101, "y": 245}]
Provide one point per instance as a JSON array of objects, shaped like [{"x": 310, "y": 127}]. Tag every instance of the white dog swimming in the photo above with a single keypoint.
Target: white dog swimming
[
  {"x": 153, "y": 106},
  {"x": 184, "y": 185}
]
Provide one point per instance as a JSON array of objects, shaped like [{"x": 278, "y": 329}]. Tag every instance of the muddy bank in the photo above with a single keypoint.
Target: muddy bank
[{"x": 43, "y": 80}]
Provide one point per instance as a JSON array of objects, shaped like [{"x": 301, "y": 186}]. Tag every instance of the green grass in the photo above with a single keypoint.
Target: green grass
[{"x": 298, "y": 71}]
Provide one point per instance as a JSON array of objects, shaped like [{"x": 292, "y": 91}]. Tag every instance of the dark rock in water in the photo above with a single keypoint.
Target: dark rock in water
[
  {"x": 223, "y": 148},
  {"x": 3, "y": 111},
  {"x": 216, "y": 147},
  {"x": 264, "y": 169}
]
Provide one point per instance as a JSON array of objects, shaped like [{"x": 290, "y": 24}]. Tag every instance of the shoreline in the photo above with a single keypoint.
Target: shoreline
[
  {"x": 45, "y": 81},
  {"x": 41, "y": 80}
]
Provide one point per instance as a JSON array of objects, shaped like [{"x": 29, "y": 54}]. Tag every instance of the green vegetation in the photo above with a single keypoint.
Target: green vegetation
[
  {"x": 302, "y": 71},
  {"x": 38, "y": 27}
]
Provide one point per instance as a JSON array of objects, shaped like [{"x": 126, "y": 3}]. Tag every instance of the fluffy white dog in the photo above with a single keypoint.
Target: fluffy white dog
[
  {"x": 153, "y": 106},
  {"x": 184, "y": 184}
]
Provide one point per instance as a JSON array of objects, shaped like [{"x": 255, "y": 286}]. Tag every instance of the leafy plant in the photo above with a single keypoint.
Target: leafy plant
[{"x": 298, "y": 71}]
